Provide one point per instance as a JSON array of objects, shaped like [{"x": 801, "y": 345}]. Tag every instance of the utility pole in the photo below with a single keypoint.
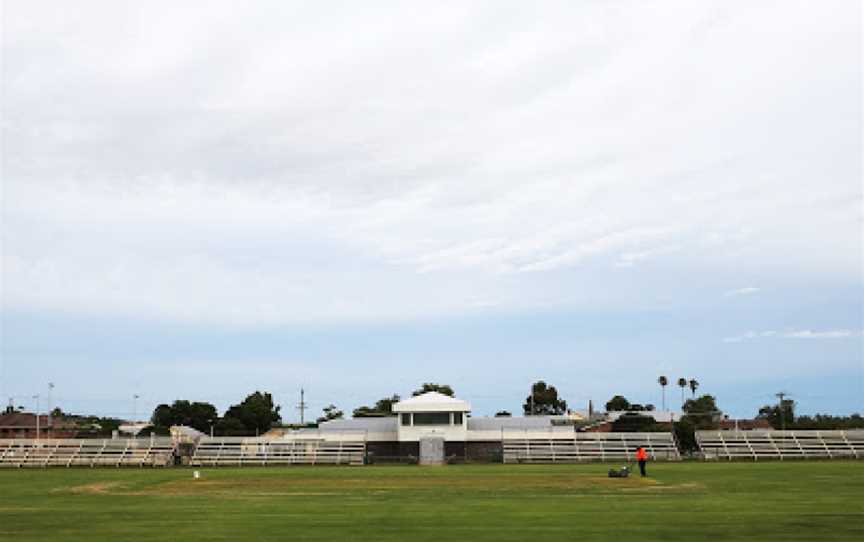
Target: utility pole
[
  {"x": 135, "y": 407},
  {"x": 302, "y": 407}
]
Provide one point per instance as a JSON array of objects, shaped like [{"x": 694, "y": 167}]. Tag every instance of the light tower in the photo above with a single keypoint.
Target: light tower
[
  {"x": 50, "y": 406},
  {"x": 37, "y": 415}
]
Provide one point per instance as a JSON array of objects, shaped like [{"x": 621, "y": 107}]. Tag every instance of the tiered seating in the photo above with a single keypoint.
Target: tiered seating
[
  {"x": 558, "y": 448},
  {"x": 242, "y": 451},
  {"x": 142, "y": 452},
  {"x": 757, "y": 445}
]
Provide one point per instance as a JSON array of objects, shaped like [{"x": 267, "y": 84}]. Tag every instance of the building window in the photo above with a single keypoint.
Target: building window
[
  {"x": 406, "y": 419},
  {"x": 457, "y": 418},
  {"x": 432, "y": 418}
]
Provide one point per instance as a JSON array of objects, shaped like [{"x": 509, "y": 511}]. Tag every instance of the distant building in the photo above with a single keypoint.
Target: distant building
[
  {"x": 133, "y": 428},
  {"x": 23, "y": 425}
]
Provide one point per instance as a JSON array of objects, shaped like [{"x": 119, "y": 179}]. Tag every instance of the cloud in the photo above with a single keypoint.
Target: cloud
[
  {"x": 828, "y": 334},
  {"x": 306, "y": 163},
  {"x": 742, "y": 291},
  {"x": 796, "y": 334}
]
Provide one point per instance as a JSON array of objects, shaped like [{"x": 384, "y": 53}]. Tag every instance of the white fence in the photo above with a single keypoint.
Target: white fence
[
  {"x": 248, "y": 451},
  {"x": 758, "y": 445},
  {"x": 559, "y": 447},
  {"x": 141, "y": 452}
]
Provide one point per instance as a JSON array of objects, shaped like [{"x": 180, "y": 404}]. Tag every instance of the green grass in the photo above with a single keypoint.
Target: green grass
[{"x": 683, "y": 501}]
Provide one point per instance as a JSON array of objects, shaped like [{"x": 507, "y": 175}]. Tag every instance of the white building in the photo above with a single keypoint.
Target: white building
[{"x": 432, "y": 414}]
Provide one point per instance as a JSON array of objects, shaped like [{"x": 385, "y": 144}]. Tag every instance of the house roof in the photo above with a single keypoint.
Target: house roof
[
  {"x": 383, "y": 424},
  {"x": 432, "y": 401},
  {"x": 514, "y": 422}
]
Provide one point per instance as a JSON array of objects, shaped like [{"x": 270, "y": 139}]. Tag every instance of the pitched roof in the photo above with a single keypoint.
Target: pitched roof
[{"x": 432, "y": 401}]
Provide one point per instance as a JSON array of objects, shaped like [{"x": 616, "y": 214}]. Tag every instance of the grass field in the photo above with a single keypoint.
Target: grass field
[{"x": 684, "y": 501}]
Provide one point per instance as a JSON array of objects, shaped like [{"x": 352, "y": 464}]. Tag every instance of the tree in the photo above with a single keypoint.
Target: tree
[
  {"x": 544, "y": 400},
  {"x": 96, "y": 426},
  {"x": 256, "y": 413},
  {"x": 331, "y": 413},
  {"x": 617, "y": 403},
  {"x": 685, "y": 435},
  {"x": 429, "y": 386},
  {"x": 693, "y": 385},
  {"x": 181, "y": 412},
  {"x": 163, "y": 416},
  {"x": 663, "y": 381},
  {"x": 779, "y": 415},
  {"x": 682, "y": 383},
  {"x": 630, "y": 423},
  {"x": 703, "y": 412},
  {"x": 230, "y": 427},
  {"x": 382, "y": 407},
  {"x": 503, "y": 414},
  {"x": 829, "y": 422}
]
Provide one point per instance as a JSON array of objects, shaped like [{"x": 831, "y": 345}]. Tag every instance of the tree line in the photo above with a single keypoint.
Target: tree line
[
  {"x": 257, "y": 413},
  {"x": 782, "y": 416}
]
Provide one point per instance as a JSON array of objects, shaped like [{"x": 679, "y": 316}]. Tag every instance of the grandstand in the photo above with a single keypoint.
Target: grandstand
[
  {"x": 537, "y": 447},
  {"x": 149, "y": 452},
  {"x": 781, "y": 445},
  {"x": 298, "y": 450}
]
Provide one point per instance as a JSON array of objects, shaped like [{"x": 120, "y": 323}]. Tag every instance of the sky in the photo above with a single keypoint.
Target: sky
[{"x": 206, "y": 199}]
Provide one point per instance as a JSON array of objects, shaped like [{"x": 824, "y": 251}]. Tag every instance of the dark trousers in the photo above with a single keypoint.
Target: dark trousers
[{"x": 642, "y": 467}]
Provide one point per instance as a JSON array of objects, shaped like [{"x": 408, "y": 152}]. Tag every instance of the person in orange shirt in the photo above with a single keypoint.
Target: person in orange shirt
[{"x": 642, "y": 458}]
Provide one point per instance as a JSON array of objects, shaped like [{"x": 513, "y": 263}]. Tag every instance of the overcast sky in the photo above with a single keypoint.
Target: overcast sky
[{"x": 203, "y": 199}]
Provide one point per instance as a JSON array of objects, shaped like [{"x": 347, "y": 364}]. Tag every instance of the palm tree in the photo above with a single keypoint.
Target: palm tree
[
  {"x": 682, "y": 383},
  {"x": 693, "y": 385},
  {"x": 663, "y": 381}
]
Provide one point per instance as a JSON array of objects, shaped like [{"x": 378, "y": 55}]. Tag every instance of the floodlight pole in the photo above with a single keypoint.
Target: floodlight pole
[
  {"x": 50, "y": 419},
  {"x": 37, "y": 415}
]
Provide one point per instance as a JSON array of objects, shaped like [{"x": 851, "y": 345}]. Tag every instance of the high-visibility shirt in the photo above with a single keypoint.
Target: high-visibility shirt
[{"x": 641, "y": 455}]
